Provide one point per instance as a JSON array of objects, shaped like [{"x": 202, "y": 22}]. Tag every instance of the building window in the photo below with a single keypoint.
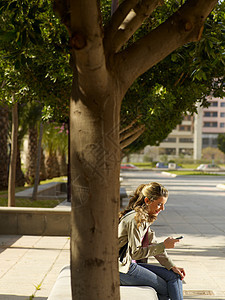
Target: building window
[
  {"x": 205, "y": 141},
  {"x": 210, "y": 114},
  {"x": 170, "y": 151},
  {"x": 210, "y": 124},
  {"x": 214, "y": 142},
  {"x": 214, "y": 103},
  {"x": 170, "y": 140},
  {"x": 186, "y": 140},
  {"x": 167, "y": 151},
  {"x": 222, "y": 114},
  {"x": 222, "y": 125},
  {"x": 184, "y": 128},
  {"x": 222, "y": 104},
  {"x": 185, "y": 151}
]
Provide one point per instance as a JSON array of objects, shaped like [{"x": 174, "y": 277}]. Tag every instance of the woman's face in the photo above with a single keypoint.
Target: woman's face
[{"x": 154, "y": 207}]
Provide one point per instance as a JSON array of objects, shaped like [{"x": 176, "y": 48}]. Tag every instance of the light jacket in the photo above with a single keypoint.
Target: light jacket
[{"x": 129, "y": 232}]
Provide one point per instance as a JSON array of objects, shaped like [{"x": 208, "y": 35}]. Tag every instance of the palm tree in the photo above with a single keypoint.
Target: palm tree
[
  {"x": 4, "y": 127},
  {"x": 55, "y": 143},
  {"x": 32, "y": 153}
]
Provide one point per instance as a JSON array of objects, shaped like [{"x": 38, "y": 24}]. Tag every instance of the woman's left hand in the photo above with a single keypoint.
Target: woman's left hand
[{"x": 179, "y": 271}]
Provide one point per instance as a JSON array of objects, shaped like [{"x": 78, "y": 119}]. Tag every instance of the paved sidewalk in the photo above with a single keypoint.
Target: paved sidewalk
[{"x": 29, "y": 265}]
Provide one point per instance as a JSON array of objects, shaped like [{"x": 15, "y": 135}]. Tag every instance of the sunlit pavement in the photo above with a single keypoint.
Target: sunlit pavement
[
  {"x": 196, "y": 210},
  {"x": 29, "y": 265}
]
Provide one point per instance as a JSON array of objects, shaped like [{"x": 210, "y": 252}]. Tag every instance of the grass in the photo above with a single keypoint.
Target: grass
[
  {"x": 144, "y": 165},
  {"x": 29, "y": 203},
  {"x": 45, "y": 203},
  {"x": 180, "y": 172}
]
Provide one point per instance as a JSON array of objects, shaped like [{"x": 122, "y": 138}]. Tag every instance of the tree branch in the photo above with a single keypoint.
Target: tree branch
[
  {"x": 184, "y": 26},
  {"x": 131, "y": 137},
  {"x": 130, "y": 125},
  {"x": 132, "y": 22},
  {"x": 117, "y": 19},
  {"x": 86, "y": 40}
]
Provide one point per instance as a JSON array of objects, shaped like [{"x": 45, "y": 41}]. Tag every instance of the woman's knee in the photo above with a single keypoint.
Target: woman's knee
[{"x": 173, "y": 276}]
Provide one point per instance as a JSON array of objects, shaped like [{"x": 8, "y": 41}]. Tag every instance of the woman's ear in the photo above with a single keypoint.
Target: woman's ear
[{"x": 147, "y": 201}]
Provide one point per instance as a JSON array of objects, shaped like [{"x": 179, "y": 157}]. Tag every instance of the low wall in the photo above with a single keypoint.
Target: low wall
[{"x": 35, "y": 221}]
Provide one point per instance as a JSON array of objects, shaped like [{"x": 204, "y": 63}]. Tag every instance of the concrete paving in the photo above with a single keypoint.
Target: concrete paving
[{"x": 30, "y": 265}]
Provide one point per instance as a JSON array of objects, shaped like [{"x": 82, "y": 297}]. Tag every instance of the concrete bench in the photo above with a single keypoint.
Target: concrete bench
[{"x": 62, "y": 289}]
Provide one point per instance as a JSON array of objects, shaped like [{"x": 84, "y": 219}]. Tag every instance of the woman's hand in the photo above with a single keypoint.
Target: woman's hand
[
  {"x": 170, "y": 242},
  {"x": 179, "y": 271}
]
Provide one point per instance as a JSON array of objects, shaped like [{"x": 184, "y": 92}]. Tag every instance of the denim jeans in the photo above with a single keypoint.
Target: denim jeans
[{"x": 167, "y": 284}]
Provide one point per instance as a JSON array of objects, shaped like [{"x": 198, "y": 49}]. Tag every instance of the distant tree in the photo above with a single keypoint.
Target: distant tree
[
  {"x": 221, "y": 142},
  {"x": 210, "y": 152}
]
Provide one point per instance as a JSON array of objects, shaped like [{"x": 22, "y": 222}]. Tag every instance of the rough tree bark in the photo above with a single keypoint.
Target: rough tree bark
[
  {"x": 103, "y": 72},
  {"x": 12, "y": 166},
  {"x": 38, "y": 163},
  {"x": 4, "y": 124},
  {"x": 32, "y": 153}
]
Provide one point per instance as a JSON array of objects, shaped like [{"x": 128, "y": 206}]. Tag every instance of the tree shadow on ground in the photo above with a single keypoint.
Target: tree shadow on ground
[{"x": 6, "y": 241}]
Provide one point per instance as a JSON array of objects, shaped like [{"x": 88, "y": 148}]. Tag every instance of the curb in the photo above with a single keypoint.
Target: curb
[{"x": 169, "y": 174}]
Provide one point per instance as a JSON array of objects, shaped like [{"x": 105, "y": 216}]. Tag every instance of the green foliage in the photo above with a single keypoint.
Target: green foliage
[
  {"x": 34, "y": 55},
  {"x": 221, "y": 142},
  {"x": 173, "y": 87},
  {"x": 55, "y": 138},
  {"x": 30, "y": 203},
  {"x": 34, "y": 66}
]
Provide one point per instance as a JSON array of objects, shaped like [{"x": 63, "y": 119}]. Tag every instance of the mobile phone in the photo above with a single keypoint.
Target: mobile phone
[{"x": 179, "y": 237}]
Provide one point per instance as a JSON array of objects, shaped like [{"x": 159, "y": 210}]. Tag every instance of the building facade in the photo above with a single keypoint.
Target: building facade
[
  {"x": 213, "y": 122},
  {"x": 195, "y": 132}
]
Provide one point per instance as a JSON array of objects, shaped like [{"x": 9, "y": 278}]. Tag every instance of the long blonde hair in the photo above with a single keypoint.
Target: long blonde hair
[{"x": 152, "y": 191}]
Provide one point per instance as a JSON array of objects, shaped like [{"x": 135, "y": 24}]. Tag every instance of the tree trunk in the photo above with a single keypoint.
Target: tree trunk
[
  {"x": 103, "y": 71},
  {"x": 95, "y": 160},
  {"x": 32, "y": 154},
  {"x": 4, "y": 123},
  {"x": 20, "y": 178},
  {"x": 62, "y": 164},
  {"x": 43, "y": 175},
  {"x": 52, "y": 165},
  {"x": 38, "y": 162},
  {"x": 12, "y": 167}
]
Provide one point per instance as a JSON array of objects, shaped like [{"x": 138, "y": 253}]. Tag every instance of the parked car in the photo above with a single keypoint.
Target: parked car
[
  {"x": 207, "y": 166},
  {"x": 128, "y": 166},
  {"x": 161, "y": 165}
]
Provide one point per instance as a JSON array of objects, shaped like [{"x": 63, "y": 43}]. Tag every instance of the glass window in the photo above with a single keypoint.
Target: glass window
[
  {"x": 222, "y": 114},
  {"x": 214, "y": 103},
  {"x": 170, "y": 151},
  {"x": 210, "y": 114},
  {"x": 170, "y": 140},
  {"x": 222, "y": 104},
  {"x": 205, "y": 141},
  {"x": 185, "y": 140},
  {"x": 210, "y": 124},
  {"x": 186, "y": 151},
  {"x": 222, "y": 125},
  {"x": 184, "y": 128},
  {"x": 214, "y": 142}
]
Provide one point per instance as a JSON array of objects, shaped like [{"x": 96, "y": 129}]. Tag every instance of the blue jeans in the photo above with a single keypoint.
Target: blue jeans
[{"x": 167, "y": 284}]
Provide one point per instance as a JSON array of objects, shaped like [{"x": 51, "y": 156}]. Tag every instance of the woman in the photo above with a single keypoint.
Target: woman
[{"x": 137, "y": 242}]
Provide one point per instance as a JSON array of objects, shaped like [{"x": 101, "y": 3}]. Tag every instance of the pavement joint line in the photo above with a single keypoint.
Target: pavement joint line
[{"x": 51, "y": 267}]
